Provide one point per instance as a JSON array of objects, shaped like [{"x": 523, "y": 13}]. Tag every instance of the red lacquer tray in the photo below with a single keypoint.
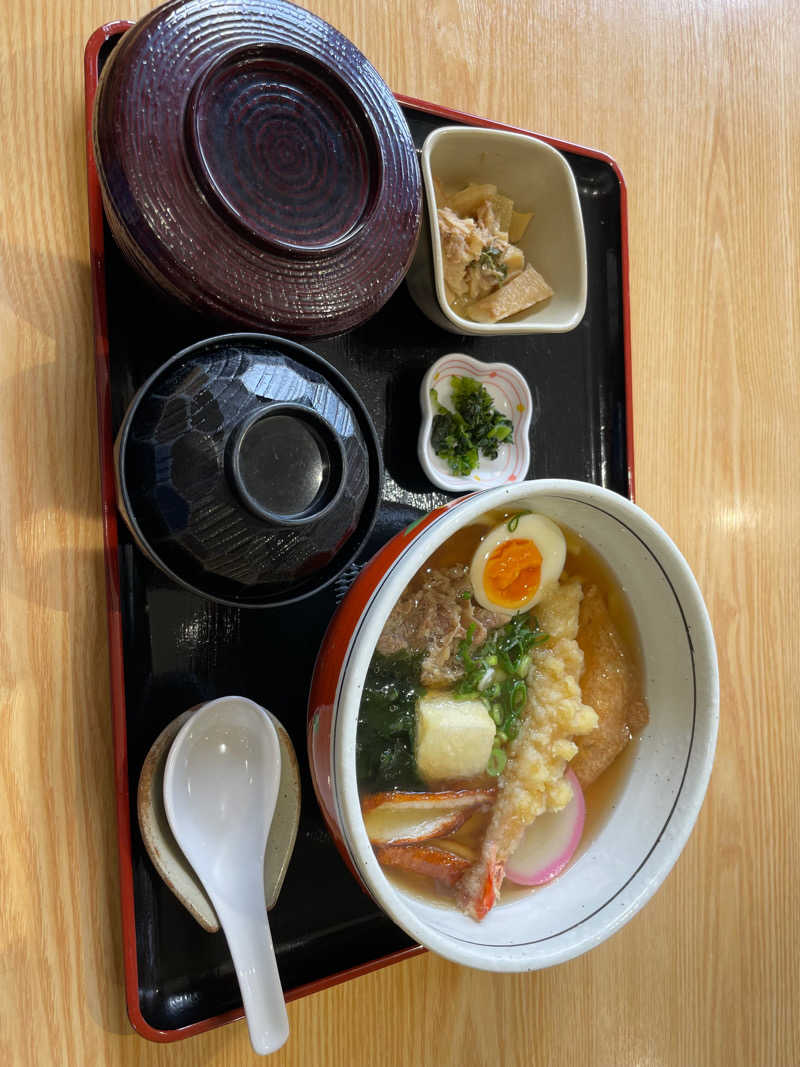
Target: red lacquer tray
[{"x": 170, "y": 650}]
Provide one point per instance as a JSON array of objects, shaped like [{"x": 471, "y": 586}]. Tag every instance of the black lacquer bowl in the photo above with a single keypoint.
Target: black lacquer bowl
[
  {"x": 248, "y": 470},
  {"x": 254, "y": 165}
]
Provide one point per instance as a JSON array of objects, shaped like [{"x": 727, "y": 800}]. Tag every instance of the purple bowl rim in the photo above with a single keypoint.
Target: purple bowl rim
[
  {"x": 348, "y": 99},
  {"x": 167, "y": 274}
]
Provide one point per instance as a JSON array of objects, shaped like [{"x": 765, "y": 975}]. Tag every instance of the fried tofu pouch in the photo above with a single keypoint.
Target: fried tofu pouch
[{"x": 609, "y": 684}]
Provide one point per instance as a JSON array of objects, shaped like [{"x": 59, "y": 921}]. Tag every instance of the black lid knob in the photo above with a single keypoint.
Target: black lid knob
[{"x": 286, "y": 464}]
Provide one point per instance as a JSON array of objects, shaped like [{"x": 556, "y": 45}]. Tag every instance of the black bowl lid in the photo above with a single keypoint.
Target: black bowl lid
[{"x": 249, "y": 469}]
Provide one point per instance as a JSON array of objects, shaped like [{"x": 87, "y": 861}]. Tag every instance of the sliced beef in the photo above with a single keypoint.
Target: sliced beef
[{"x": 433, "y": 618}]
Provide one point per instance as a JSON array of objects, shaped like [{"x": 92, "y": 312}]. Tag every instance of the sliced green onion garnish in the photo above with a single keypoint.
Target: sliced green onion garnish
[
  {"x": 497, "y": 761},
  {"x": 513, "y": 522}
]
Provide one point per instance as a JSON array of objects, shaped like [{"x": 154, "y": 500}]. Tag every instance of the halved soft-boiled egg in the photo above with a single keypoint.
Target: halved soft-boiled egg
[{"x": 516, "y": 562}]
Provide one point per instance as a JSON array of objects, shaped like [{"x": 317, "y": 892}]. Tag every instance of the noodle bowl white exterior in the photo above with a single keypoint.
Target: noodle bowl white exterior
[{"x": 633, "y": 850}]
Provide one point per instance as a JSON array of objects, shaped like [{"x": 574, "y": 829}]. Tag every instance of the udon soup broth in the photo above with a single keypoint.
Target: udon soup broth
[{"x": 504, "y": 689}]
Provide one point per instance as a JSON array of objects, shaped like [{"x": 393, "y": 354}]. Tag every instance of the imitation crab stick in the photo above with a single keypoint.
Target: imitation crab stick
[
  {"x": 438, "y": 863},
  {"x": 405, "y": 818}
]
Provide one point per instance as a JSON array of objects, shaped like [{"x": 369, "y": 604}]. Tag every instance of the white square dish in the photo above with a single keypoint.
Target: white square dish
[{"x": 538, "y": 179}]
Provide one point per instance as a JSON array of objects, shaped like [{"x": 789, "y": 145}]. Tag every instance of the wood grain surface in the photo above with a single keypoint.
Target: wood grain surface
[{"x": 699, "y": 101}]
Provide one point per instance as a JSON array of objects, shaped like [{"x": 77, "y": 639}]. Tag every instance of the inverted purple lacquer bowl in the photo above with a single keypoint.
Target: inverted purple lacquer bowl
[{"x": 255, "y": 166}]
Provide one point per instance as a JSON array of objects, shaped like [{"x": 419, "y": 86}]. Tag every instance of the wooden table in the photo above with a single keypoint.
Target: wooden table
[{"x": 699, "y": 101}]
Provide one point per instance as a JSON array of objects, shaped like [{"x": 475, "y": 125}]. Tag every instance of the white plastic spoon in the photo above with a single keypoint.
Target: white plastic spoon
[{"x": 220, "y": 786}]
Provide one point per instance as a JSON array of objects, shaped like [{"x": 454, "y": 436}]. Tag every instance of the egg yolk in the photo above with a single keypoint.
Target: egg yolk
[{"x": 512, "y": 573}]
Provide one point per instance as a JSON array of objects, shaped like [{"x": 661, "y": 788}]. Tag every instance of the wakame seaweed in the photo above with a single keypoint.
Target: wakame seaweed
[{"x": 385, "y": 741}]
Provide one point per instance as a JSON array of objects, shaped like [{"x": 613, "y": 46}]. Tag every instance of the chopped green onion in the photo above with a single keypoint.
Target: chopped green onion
[
  {"x": 519, "y": 693},
  {"x": 496, "y": 674},
  {"x": 464, "y": 650},
  {"x": 485, "y": 682},
  {"x": 513, "y": 522},
  {"x": 497, "y": 761}
]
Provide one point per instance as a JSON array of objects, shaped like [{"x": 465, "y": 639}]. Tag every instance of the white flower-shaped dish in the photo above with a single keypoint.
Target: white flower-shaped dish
[{"x": 510, "y": 395}]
